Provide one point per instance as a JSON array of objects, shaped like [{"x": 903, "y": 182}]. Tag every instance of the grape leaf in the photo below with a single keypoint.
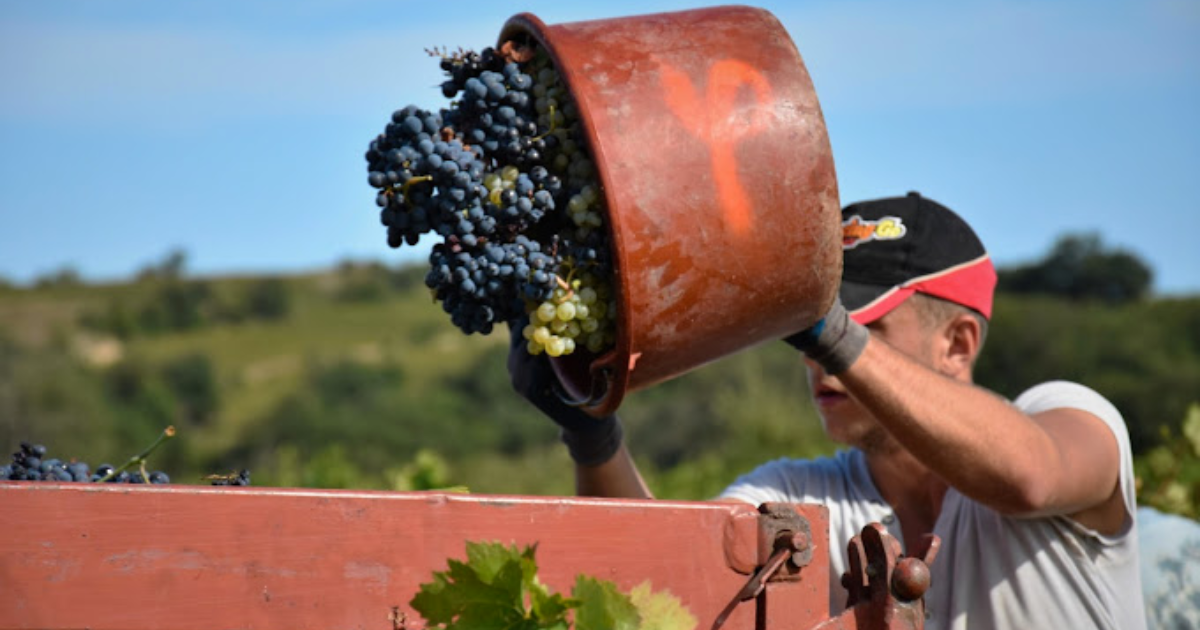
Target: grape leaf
[
  {"x": 433, "y": 602},
  {"x": 459, "y": 596},
  {"x": 488, "y": 560},
  {"x": 488, "y": 592},
  {"x": 602, "y": 606},
  {"x": 547, "y": 606},
  {"x": 661, "y": 610},
  {"x": 497, "y": 589},
  {"x": 1191, "y": 427}
]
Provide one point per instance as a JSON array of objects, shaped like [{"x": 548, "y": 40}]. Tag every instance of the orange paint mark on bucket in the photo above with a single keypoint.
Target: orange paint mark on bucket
[{"x": 717, "y": 121}]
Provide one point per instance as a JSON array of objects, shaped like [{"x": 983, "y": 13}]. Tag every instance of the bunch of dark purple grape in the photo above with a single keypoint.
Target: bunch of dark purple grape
[
  {"x": 503, "y": 178},
  {"x": 30, "y": 463}
]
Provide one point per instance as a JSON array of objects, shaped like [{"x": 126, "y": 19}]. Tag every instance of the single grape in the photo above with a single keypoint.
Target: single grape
[{"x": 566, "y": 311}]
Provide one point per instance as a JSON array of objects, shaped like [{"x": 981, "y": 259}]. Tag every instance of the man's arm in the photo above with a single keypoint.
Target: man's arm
[
  {"x": 1062, "y": 461},
  {"x": 617, "y": 477},
  {"x": 603, "y": 467}
]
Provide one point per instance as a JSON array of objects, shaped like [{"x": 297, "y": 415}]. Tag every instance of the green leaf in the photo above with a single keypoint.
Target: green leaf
[
  {"x": 489, "y": 592},
  {"x": 497, "y": 589},
  {"x": 602, "y": 606},
  {"x": 548, "y": 607},
  {"x": 661, "y": 610},
  {"x": 484, "y": 593},
  {"x": 1191, "y": 427},
  {"x": 487, "y": 559},
  {"x": 432, "y": 601}
]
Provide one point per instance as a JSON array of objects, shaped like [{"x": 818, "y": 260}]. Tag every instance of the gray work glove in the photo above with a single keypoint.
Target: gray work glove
[
  {"x": 834, "y": 342},
  {"x": 591, "y": 441}
]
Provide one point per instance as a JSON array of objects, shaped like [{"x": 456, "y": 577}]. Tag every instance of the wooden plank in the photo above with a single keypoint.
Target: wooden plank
[{"x": 166, "y": 557}]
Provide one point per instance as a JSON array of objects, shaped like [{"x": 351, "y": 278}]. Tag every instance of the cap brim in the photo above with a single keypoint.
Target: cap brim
[{"x": 868, "y": 302}]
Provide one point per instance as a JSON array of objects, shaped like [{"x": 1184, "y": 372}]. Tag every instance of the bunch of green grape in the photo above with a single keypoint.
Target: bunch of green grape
[
  {"x": 579, "y": 313},
  {"x": 582, "y": 311}
]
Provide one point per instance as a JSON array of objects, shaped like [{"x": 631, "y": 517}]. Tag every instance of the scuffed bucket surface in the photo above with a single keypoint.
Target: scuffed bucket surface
[{"x": 720, "y": 184}]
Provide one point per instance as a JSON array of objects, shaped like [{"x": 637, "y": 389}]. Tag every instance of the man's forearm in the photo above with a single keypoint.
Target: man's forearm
[
  {"x": 975, "y": 440},
  {"x": 616, "y": 478}
]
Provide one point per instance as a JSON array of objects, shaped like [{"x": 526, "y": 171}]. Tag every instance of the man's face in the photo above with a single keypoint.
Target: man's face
[{"x": 843, "y": 418}]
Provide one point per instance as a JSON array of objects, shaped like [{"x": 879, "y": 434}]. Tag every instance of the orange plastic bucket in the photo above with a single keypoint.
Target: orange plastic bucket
[{"x": 715, "y": 164}]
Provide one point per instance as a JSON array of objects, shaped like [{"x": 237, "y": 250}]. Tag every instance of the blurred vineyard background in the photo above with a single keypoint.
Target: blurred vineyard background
[{"x": 352, "y": 378}]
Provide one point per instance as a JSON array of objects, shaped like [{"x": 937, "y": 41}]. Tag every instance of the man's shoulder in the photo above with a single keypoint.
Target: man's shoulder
[
  {"x": 1059, "y": 394},
  {"x": 843, "y": 474},
  {"x": 1070, "y": 395},
  {"x": 840, "y": 464}
]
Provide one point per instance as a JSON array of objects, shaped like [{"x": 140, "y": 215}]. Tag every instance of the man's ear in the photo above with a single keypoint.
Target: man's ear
[{"x": 960, "y": 343}]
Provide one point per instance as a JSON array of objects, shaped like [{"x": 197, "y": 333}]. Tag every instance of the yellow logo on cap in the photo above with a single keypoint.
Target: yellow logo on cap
[{"x": 856, "y": 231}]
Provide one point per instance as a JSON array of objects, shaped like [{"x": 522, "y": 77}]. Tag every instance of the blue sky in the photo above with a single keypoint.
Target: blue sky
[{"x": 235, "y": 130}]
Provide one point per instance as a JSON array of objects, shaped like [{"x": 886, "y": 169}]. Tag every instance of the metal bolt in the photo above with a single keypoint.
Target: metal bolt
[
  {"x": 800, "y": 546},
  {"x": 797, "y": 542},
  {"x": 910, "y": 579}
]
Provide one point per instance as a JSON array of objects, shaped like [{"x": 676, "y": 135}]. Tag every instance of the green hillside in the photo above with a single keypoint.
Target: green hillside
[
  {"x": 354, "y": 378},
  {"x": 361, "y": 374}
]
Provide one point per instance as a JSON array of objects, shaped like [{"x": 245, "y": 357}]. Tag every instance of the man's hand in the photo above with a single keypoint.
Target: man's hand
[
  {"x": 834, "y": 342},
  {"x": 591, "y": 441}
]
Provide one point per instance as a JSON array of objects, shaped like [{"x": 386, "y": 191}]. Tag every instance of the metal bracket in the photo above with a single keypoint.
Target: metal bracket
[
  {"x": 885, "y": 588},
  {"x": 781, "y": 527},
  {"x": 784, "y": 547}
]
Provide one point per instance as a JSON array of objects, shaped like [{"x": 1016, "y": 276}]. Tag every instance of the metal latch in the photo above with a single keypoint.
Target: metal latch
[
  {"x": 781, "y": 527},
  {"x": 784, "y": 547}
]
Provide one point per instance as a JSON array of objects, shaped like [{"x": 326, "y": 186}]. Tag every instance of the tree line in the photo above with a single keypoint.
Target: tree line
[{"x": 1083, "y": 312}]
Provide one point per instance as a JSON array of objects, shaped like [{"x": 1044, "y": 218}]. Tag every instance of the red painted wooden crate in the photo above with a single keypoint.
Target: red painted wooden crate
[{"x": 120, "y": 556}]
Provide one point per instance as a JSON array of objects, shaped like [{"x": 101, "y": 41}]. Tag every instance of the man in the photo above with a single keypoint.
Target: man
[{"x": 1033, "y": 499}]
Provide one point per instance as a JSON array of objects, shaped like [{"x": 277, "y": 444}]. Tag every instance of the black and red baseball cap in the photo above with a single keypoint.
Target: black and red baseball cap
[{"x": 898, "y": 246}]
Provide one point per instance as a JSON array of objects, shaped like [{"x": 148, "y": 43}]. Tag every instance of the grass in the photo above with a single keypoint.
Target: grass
[{"x": 258, "y": 363}]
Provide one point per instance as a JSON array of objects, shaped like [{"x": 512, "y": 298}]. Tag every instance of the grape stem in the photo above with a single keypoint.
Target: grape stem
[
  {"x": 413, "y": 180},
  {"x": 140, "y": 458},
  {"x": 551, "y": 129},
  {"x": 564, "y": 286},
  {"x": 444, "y": 52}
]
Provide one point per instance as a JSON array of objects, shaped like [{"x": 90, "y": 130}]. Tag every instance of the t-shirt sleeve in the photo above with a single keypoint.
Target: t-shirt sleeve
[
  {"x": 764, "y": 484},
  {"x": 786, "y": 480},
  {"x": 1064, "y": 394}
]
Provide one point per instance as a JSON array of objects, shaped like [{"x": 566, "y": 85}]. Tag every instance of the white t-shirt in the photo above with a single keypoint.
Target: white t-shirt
[{"x": 992, "y": 571}]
